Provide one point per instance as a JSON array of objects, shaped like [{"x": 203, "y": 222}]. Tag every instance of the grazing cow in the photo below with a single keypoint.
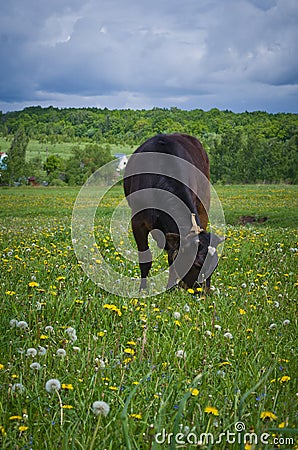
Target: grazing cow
[{"x": 166, "y": 182}]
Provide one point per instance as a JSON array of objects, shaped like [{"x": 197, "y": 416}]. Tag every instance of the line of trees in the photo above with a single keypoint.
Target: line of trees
[{"x": 243, "y": 148}]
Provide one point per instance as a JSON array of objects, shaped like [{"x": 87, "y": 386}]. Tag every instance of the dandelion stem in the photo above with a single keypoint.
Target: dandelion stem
[
  {"x": 95, "y": 433},
  {"x": 61, "y": 407}
]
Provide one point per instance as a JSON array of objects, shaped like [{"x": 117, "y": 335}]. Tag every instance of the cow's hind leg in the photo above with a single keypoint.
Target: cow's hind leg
[{"x": 145, "y": 258}]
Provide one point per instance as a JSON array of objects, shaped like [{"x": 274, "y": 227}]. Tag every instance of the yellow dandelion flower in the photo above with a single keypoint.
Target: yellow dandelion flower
[
  {"x": 2, "y": 429},
  {"x": 284, "y": 379},
  {"x": 67, "y": 406},
  {"x": 268, "y": 415},
  {"x": 282, "y": 425},
  {"x": 130, "y": 351},
  {"x": 131, "y": 343},
  {"x": 136, "y": 382},
  {"x": 67, "y": 386},
  {"x": 136, "y": 416},
  {"x": 1, "y": 367},
  {"x": 242, "y": 311},
  {"x": 33, "y": 284},
  {"x": 127, "y": 360},
  {"x": 15, "y": 418},
  {"x": 211, "y": 410},
  {"x": 23, "y": 428},
  {"x": 101, "y": 333},
  {"x": 194, "y": 392},
  {"x": 225, "y": 363},
  {"x": 191, "y": 291},
  {"x": 113, "y": 388}
]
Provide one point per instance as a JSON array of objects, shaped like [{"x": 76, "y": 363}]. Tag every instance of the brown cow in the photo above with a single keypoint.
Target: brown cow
[{"x": 166, "y": 183}]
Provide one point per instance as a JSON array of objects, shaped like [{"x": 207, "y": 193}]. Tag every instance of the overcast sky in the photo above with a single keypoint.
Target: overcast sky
[{"x": 229, "y": 54}]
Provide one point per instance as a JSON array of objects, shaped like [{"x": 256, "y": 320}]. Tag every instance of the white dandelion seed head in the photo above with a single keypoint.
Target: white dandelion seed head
[
  {"x": 100, "y": 408},
  {"x": 38, "y": 306},
  {"x": 31, "y": 352},
  {"x": 35, "y": 366},
  {"x": 180, "y": 354},
  {"x": 276, "y": 304},
  {"x": 49, "y": 329},
  {"x": 13, "y": 323},
  {"x": 176, "y": 315},
  {"x": 53, "y": 385},
  {"x": 243, "y": 285},
  {"x": 18, "y": 388},
  {"x": 22, "y": 324},
  {"x": 42, "y": 350},
  {"x": 217, "y": 327},
  {"x": 61, "y": 352},
  {"x": 286, "y": 322},
  {"x": 208, "y": 333},
  {"x": 228, "y": 335},
  {"x": 70, "y": 331},
  {"x": 76, "y": 349},
  {"x": 272, "y": 326},
  {"x": 186, "y": 308}
]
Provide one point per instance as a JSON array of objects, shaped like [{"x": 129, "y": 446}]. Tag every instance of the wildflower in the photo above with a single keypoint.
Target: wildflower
[
  {"x": 67, "y": 406},
  {"x": 42, "y": 350},
  {"x": 13, "y": 323},
  {"x": 176, "y": 315},
  {"x": 194, "y": 392},
  {"x": 33, "y": 284},
  {"x": 228, "y": 335},
  {"x": 211, "y": 410},
  {"x": 242, "y": 311},
  {"x": 100, "y": 408},
  {"x": 130, "y": 351},
  {"x": 61, "y": 352},
  {"x": 1, "y": 366},
  {"x": 18, "y": 387},
  {"x": 217, "y": 327},
  {"x": 136, "y": 416},
  {"x": 267, "y": 415},
  {"x": 284, "y": 379},
  {"x": 22, "y": 324},
  {"x": 49, "y": 329},
  {"x": 191, "y": 291},
  {"x": 15, "y": 418},
  {"x": 181, "y": 354},
  {"x": 53, "y": 385},
  {"x": 35, "y": 366},
  {"x": 208, "y": 333},
  {"x": 186, "y": 308},
  {"x": 31, "y": 352},
  {"x": 23, "y": 428},
  {"x": 272, "y": 326},
  {"x": 67, "y": 386},
  {"x": 2, "y": 429},
  {"x": 286, "y": 322},
  {"x": 76, "y": 349}
]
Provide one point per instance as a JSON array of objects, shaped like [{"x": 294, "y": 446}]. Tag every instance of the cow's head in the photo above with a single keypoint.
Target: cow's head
[{"x": 193, "y": 250}]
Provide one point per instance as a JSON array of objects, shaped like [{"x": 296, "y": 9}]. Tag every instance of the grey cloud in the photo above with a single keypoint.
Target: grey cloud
[{"x": 192, "y": 54}]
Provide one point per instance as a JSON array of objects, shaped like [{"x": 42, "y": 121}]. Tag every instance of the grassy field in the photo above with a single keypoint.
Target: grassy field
[
  {"x": 64, "y": 149},
  {"x": 176, "y": 370}
]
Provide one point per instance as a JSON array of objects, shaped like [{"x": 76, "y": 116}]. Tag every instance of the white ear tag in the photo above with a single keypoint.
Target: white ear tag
[{"x": 211, "y": 250}]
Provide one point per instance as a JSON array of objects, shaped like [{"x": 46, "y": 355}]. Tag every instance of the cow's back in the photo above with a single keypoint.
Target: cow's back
[{"x": 183, "y": 146}]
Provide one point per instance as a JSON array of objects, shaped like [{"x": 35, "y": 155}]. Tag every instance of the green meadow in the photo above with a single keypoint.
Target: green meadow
[
  {"x": 177, "y": 370},
  {"x": 42, "y": 150}
]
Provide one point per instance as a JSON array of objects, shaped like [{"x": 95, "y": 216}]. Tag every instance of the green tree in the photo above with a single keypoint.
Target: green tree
[{"x": 16, "y": 167}]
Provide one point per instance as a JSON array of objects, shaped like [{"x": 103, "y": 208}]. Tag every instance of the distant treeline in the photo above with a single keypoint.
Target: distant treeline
[{"x": 247, "y": 147}]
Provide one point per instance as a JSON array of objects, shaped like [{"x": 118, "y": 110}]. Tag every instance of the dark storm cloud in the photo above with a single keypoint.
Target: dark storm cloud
[{"x": 236, "y": 54}]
